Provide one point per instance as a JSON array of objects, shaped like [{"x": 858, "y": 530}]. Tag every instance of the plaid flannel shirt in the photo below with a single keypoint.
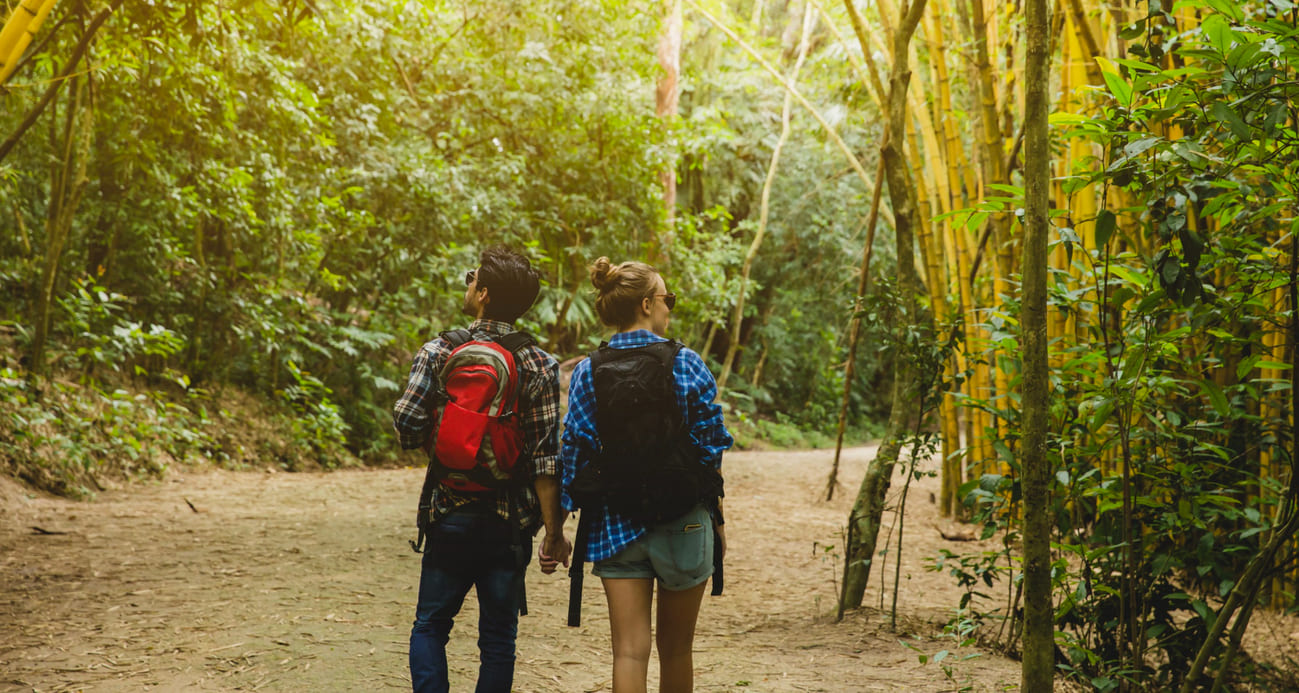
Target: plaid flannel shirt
[
  {"x": 538, "y": 416},
  {"x": 696, "y": 391}
]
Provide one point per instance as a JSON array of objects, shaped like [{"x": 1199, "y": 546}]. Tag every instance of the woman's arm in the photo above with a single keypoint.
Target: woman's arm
[{"x": 703, "y": 413}]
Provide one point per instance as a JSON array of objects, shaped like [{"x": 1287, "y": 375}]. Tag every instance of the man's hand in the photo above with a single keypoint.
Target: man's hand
[
  {"x": 554, "y": 549},
  {"x": 721, "y": 537}
]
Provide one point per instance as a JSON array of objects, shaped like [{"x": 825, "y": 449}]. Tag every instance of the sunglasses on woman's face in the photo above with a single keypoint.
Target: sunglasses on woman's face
[
  {"x": 470, "y": 276},
  {"x": 669, "y": 300}
]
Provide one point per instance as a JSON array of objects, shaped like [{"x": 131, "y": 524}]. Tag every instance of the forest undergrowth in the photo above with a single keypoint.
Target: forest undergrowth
[{"x": 76, "y": 434}]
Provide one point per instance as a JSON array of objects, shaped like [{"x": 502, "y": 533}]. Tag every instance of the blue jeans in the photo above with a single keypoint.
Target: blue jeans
[{"x": 468, "y": 548}]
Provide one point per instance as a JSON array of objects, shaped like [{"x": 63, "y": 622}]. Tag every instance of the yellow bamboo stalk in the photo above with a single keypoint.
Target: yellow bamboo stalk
[
  {"x": 956, "y": 239},
  {"x": 16, "y": 25},
  {"x": 19, "y": 31},
  {"x": 1085, "y": 37},
  {"x": 924, "y": 207},
  {"x": 936, "y": 130},
  {"x": 887, "y": 11},
  {"x": 960, "y": 169},
  {"x": 1270, "y": 466},
  {"x": 933, "y": 179}
]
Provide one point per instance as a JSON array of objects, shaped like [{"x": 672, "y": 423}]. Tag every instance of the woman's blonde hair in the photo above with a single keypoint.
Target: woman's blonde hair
[{"x": 620, "y": 289}]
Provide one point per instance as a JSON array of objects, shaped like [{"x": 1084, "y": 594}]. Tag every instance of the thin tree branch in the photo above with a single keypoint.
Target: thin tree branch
[{"x": 843, "y": 146}]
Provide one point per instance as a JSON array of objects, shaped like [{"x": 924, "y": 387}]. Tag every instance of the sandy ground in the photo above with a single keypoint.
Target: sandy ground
[{"x": 305, "y": 582}]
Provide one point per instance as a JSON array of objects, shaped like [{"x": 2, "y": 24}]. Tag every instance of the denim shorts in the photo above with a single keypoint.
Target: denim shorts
[{"x": 678, "y": 552}]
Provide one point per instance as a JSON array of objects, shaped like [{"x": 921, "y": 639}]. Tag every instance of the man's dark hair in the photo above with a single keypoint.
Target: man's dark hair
[{"x": 511, "y": 281}]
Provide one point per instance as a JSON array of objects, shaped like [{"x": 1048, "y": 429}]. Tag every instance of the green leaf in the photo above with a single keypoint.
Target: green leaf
[
  {"x": 1170, "y": 270},
  {"x": 1012, "y": 190},
  {"x": 1231, "y": 8},
  {"x": 1119, "y": 87},
  {"x": 1203, "y": 610},
  {"x": 1219, "y": 32},
  {"x": 1061, "y": 118},
  {"x": 1101, "y": 415},
  {"x": 1192, "y": 246},
  {"x": 1138, "y": 146},
  {"x": 1246, "y": 56},
  {"x": 1224, "y": 113},
  {"x": 1217, "y": 397},
  {"x": 1106, "y": 222},
  {"x": 1225, "y": 586},
  {"x": 1003, "y": 452},
  {"x": 1136, "y": 65}
]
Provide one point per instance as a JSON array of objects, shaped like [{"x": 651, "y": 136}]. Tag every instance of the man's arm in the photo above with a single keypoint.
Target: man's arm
[
  {"x": 410, "y": 415},
  {"x": 554, "y": 549},
  {"x": 541, "y": 435}
]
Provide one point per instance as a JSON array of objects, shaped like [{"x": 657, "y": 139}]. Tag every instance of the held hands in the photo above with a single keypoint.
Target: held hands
[{"x": 554, "y": 549}]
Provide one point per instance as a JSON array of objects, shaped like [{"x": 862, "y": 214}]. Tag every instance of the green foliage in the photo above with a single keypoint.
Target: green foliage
[
  {"x": 65, "y": 437},
  {"x": 1158, "y": 415},
  {"x": 282, "y": 198}
]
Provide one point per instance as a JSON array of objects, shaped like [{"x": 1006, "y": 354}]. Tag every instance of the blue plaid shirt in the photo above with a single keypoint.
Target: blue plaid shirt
[{"x": 696, "y": 391}]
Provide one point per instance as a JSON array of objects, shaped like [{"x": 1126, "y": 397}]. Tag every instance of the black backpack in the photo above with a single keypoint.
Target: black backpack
[{"x": 647, "y": 470}]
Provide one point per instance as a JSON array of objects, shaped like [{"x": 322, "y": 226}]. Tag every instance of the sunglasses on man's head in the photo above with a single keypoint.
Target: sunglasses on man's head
[{"x": 470, "y": 276}]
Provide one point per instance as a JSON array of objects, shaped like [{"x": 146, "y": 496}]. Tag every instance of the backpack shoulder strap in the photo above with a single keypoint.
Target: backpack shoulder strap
[
  {"x": 600, "y": 355},
  {"x": 516, "y": 341},
  {"x": 456, "y": 338},
  {"x": 667, "y": 352}
]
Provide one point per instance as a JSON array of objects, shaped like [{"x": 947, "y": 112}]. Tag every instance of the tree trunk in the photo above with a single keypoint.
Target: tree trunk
[
  {"x": 854, "y": 328},
  {"x": 864, "y": 521},
  {"x": 665, "y": 106},
  {"x": 1037, "y": 669},
  {"x": 67, "y": 181}
]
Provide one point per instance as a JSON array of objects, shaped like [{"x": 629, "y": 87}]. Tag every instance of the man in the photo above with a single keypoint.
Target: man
[{"x": 471, "y": 541}]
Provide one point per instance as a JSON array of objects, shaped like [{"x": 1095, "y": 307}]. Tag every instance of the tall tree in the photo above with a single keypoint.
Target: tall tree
[
  {"x": 868, "y": 509},
  {"x": 1037, "y": 669},
  {"x": 666, "y": 97}
]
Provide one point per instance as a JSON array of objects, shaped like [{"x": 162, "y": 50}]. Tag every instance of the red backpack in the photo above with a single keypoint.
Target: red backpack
[{"x": 477, "y": 440}]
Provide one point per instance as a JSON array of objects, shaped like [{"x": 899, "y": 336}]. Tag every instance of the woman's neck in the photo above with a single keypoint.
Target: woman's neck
[{"x": 638, "y": 325}]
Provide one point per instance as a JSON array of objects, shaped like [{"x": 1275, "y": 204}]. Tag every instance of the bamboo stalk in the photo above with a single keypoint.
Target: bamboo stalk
[{"x": 15, "y": 28}]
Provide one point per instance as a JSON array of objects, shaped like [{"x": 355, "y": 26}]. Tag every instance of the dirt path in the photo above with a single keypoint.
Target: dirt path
[{"x": 305, "y": 582}]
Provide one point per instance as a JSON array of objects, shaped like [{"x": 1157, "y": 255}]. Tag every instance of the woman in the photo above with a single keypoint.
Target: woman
[{"x": 657, "y": 454}]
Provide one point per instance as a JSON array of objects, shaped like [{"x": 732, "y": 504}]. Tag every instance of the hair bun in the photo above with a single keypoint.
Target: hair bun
[{"x": 602, "y": 273}]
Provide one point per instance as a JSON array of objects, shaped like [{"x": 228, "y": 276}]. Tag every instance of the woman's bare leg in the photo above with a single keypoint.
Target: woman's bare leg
[
  {"x": 629, "y": 621},
  {"x": 678, "y": 612}
]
